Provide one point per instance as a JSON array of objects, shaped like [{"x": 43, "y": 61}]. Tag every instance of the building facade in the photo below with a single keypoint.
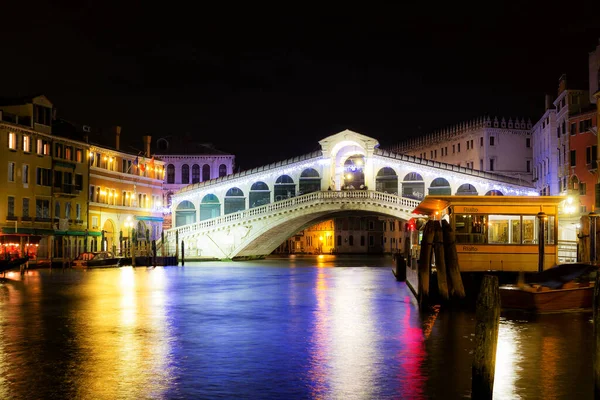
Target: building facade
[
  {"x": 188, "y": 162},
  {"x": 492, "y": 145},
  {"x": 45, "y": 183},
  {"x": 125, "y": 197},
  {"x": 545, "y": 152}
]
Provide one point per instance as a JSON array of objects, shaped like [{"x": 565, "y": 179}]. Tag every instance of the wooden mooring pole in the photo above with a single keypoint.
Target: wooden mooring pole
[
  {"x": 596, "y": 346},
  {"x": 182, "y": 253},
  {"x": 487, "y": 316}
]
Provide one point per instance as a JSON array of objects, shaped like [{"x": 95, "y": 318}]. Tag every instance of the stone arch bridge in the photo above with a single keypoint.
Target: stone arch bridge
[{"x": 250, "y": 213}]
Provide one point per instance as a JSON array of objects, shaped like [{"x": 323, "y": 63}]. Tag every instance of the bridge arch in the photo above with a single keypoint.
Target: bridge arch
[
  {"x": 310, "y": 181},
  {"x": 440, "y": 186},
  {"x": 466, "y": 189},
  {"x": 413, "y": 186},
  {"x": 284, "y": 188},
  {"x": 259, "y": 195},
  {"x": 185, "y": 213},
  {"x": 494, "y": 193},
  {"x": 386, "y": 181},
  {"x": 234, "y": 201},
  {"x": 210, "y": 207}
]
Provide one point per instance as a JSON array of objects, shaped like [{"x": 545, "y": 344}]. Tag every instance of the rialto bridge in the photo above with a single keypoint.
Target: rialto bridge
[{"x": 250, "y": 213}]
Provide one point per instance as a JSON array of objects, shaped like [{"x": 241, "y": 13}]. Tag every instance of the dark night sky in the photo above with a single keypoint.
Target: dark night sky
[{"x": 267, "y": 83}]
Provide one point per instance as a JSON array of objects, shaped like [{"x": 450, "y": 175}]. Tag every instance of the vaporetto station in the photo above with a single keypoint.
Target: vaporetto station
[{"x": 248, "y": 214}]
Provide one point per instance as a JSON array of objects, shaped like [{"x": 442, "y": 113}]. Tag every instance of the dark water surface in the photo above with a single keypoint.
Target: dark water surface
[{"x": 276, "y": 329}]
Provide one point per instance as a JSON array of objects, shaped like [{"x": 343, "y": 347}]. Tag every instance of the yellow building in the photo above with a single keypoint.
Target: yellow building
[
  {"x": 44, "y": 184},
  {"x": 125, "y": 196}
]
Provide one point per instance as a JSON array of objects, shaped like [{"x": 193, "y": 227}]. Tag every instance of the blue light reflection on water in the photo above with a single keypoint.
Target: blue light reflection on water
[{"x": 305, "y": 328}]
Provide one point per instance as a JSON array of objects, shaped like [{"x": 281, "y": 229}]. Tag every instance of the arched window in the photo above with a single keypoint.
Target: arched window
[
  {"x": 205, "y": 172},
  {"x": 413, "y": 186},
  {"x": 170, "y": 173},
  {"x": 310, "y": 181},
  {"x": 285, "y": 188},
  {"x": 466, "y": 190},
  {"x": 222, "y": 170},
  {"x": 259, "y": 194},
  {"x": 440, "y": 186},
  {"x": 386, "y": 181},
  {"x": 185, "y": 213},
  {"x": 209, "y": 207},
  {"x": 185, "y": 173},
  {"x": 195, "y": 173},
  {"x": 234, "y": 201}
]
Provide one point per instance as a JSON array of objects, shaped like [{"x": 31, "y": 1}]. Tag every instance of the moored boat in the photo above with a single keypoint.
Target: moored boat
[
  {"x": 566, "y": 287},
  {"x": 100, "y": 259},
  {"x": 7, "y": 265}
]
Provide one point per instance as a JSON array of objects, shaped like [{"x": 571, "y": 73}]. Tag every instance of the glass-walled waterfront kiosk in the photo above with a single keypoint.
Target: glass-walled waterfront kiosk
[{"x": 499, "y": 233}]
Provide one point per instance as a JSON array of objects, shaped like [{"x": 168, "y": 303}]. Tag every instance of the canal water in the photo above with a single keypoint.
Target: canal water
[{"x": 299, "y": 328}]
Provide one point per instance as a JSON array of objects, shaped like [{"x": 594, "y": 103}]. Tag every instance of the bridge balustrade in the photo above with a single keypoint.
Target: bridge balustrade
[{"x": 292, "y": 203}]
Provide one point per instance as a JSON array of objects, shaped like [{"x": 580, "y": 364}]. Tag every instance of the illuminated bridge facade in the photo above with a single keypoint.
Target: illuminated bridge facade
[{"x": 250, "y": 213}]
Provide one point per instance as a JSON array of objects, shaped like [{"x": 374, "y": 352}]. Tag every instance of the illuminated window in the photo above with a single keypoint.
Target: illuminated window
[
  {"x": 25, "y": 173},
  {"x": 94, "y": 222},
  {"x": 78, "y": 212},
  {"x": 68, "y": 153},
  {"x": 12, "y": 140},
  {"x": 11, "y": 171},
  {"x": 79, "y": 155},
  {"x": 39, "y": 147},
  {"x": 26, "y": 143}
]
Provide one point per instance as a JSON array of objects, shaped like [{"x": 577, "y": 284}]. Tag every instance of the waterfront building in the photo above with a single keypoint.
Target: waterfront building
[
  {"x": 594, "y": 73},
  {"x": 44, "y": 184},
  {"x": 545, "y": 152},
  {"x": 501, "y": 146},
  {"x": 187, "y": 162},
  {"x": 393, "y": 233},
  {"x": 125, "y": 190},
  {"x": 583, "y": 145}
]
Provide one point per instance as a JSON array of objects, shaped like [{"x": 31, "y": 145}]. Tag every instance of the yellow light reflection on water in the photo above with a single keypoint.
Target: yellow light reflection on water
[
  {"x": 508, "y": 358},
  {"x": 123, "y": 329}
]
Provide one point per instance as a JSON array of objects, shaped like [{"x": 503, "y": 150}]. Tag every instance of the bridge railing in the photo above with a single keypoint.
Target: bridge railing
[{"x": 293, "y": 203}]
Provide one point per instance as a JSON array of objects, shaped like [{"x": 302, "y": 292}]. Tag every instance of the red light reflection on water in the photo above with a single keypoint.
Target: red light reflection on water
[{"x": 410, "y": 358}]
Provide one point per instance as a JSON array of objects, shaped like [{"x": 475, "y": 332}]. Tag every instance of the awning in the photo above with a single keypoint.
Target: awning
[{"x": 431, "y": 204}]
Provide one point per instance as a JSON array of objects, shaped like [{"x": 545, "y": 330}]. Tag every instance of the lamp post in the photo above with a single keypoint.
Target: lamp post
[{"x": 128, "y": 225}]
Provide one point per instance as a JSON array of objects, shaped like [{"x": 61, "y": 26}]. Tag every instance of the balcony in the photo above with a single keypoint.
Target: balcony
[
  {"x": 593, "y": 166},
  {"x": 67, "y": 190}
]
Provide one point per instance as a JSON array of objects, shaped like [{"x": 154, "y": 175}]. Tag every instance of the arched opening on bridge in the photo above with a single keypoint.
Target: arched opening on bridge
[
  {"x": 440, "y": 187},
  {"x": 259, "y": 194},
  {"x": 494, "y": 193},
  {"x": 170, "y": 173},
  {"x": 205, "y": 172},
  {"x": 185, "y": 213},
  {"x": 210, "y": 207},
  {"x": 413, "y": 186},
  {"x": 222, "y": 170},
  {"x": 285, "y": 188},
  {"x": 310, "y": 181},
  {"x": 195, "y": 173},
  {"x": 234, "y": 201},
  {"x": 354, "y": 177},
  {"x": 466, "y": 190},
  {"x": 386, "y": 181}
]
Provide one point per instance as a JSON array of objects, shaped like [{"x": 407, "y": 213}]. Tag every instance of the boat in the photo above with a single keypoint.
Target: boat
[
  {"x": 565, "y": 287},
  {"x": 8, "y": 264},
  {"x": 97, "y": 259}
]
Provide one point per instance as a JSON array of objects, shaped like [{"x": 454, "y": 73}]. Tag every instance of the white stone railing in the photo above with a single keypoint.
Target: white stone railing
[{"x": 292, "y": 203}]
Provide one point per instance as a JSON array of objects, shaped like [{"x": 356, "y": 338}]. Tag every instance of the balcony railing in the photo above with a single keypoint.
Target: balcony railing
[{"x": 67, "y": 189}]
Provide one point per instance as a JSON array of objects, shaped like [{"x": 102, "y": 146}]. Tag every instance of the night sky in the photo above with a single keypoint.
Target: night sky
[{"x": 267, "y": 83}]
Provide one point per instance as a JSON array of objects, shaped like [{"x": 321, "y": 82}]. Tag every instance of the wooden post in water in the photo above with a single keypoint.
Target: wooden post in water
[
  {"x": 593, "y": 227},
  {"x": 182, "y": 253},
  {"x": 451, "y": 259},
  {"x": 440, "y": 264},
  {"x": 487, "y": 317},
  {"x": 596, "y": 345},
  {"x": 425, "y": 262}
]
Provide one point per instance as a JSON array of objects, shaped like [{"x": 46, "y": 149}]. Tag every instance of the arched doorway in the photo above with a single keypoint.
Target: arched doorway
[
  {"x": 285, "y": 188},
  {"x": 413, "y": 186},
  {"x": 185, "y": 213},
  {"x": 109, "y": 235},
  {"x": 386, "y": 181},
  {"x": 310, "y": 181},
  {"x": 466, "y": 189},
  {"x": 140, "y": 231},
  {"x": 259, "y": 194},
  {"x": 354, "y": 176},
  {"x": 494, "y": 193},
  {"x": 440, "y": 186},
  {"x": 234, "y": 201},
  {"x": 210, "y": 207}
]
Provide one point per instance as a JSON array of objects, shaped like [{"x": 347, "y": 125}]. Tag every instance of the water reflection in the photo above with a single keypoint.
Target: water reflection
[{"x": 315, "y": 328}]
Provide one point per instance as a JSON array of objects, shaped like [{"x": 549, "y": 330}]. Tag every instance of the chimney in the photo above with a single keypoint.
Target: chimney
[
  {"x": 117, "y": 137},
  {"x": 562, "y": 83},
  {"x": 147, "y": 139},
  {"x": 548, "y": 102}
]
